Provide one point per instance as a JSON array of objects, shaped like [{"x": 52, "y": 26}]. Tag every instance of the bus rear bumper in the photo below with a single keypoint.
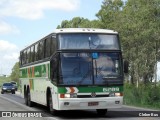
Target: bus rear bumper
[{"x": 90, "y": 103}]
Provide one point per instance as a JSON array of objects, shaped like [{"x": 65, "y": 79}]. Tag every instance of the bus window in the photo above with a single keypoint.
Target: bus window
[
  {"x": 76, "y": 69},
  {"x": 47, "y": 47},
  {"x": 88, "y": 41},
  {"x": 54, "y": 70},
  {"x": 41, "y": 50},
  {"x": 20, "y": 59},
  {"x": 36, "y": 52},
  {"x": 53, "y": 45},
  {"x": 23, "y": 57},
  {"x": 106, "y": 65},
  {"x": 32, "y": 54},
  {"x": 28, "y": 55}
]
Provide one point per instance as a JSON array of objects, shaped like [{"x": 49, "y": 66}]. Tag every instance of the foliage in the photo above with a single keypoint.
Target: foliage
[
  {"x": 15, "y": 72},
  {"x": 140, "y": 38},
  {"x": 146, "y": 95},
  {"x": 79, "y": 22},
  {"x": 110, "y": 13},
  {"x": 4, "y": 79}
]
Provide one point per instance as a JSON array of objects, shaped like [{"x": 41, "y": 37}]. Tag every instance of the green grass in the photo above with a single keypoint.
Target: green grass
[
  {"x": 146, "y": 96},
  {"x": 4, "y": 79}
]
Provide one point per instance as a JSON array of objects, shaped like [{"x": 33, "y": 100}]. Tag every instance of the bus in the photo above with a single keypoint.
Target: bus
[{"x": 74, "y": 69}]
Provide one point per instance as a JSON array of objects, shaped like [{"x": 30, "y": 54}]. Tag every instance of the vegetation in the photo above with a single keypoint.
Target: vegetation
[
  {"x": 4, "y": 79},
  {"x": 15, "y": 73},
  {"x": 145, "y": 96},
  {"x": 138, "y": 22},
  {"x": 13, "y": 77}
]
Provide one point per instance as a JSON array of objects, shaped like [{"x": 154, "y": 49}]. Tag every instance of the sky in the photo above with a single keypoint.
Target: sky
[{"x": 23, "y": 22}]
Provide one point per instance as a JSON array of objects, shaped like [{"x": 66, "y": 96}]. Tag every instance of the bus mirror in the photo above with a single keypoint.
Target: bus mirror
[{"x": 126, "y": 65}]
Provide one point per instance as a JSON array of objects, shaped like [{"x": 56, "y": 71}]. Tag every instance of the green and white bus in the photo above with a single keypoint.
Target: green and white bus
[{"x": 74, "y": 69}]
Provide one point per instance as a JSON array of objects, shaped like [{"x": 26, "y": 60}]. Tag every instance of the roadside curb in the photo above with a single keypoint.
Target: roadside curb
[{"x": 139, "y": 108}]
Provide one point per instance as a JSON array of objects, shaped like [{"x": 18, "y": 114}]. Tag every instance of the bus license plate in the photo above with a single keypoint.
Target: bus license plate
[{"x": 92, "y": 103}]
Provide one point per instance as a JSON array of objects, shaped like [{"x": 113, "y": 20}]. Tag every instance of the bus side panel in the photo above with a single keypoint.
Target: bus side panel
[{"x": 37, "y": 78}]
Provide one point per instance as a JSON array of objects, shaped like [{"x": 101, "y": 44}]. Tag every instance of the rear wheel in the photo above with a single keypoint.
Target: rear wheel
[
  {"x": 25, "y": 96},
  {"x": 101, "y": 112},
  {"x": 30, "y": 103}
]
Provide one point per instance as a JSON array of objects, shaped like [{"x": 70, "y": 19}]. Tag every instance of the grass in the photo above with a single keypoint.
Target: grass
[{"x": 146, "y": 96}]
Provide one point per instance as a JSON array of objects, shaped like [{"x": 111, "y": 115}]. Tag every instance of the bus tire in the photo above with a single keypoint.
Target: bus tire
[
  {"x": 29, "y": 102},
  {"x": 51, "y": 110},
  {"x": 25, "y": 96},
  {"x": 101, "y": 112}
]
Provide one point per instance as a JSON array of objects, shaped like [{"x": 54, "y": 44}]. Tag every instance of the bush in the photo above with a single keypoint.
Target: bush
[{"x": 145, "y": 95}]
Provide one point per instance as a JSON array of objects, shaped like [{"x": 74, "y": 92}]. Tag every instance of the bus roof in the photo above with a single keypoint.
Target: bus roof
[{"x": 84, "y": 30}]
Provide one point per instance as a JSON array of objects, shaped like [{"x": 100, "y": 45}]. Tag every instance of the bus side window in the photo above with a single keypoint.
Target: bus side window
[
  {"x": 25, "y": 56},
  {"x": 28, "y": 55},
  {"x": 47, "y": 47},
  {"x": 54, "y": 70},
  {"x": 53, "y": 45},
  {"x": 36, "y": 52},
  {"x": 41, "y": 50},
  {"x": 32, "y": 54},
  {"x": 22, "y": 58}
]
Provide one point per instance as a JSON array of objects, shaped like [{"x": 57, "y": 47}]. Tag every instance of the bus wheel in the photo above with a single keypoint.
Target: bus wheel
[
  {"x": 30, "y": 103},
  {"x": 101, "y": 112},
  {"x": 51, "y": 110},
  {"x": 25, "y": 98}
]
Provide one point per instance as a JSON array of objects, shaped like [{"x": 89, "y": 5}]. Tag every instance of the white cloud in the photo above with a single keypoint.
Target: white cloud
[
  {"x": 11, "y": 56},
  {"x": 5, "y": 46},
  {"x": 9, "y": 53},
  {"x": 31, "y": 9},
  {"x": 34, "y": 9},
  {"x": 6, "y": 28}
]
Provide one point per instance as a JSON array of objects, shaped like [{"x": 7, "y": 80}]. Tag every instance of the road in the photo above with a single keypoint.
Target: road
[{"x": 9, "y": 102}]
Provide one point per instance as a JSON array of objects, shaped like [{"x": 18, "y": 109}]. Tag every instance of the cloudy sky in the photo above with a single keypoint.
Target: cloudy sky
[{"x": 23, "y": 22}]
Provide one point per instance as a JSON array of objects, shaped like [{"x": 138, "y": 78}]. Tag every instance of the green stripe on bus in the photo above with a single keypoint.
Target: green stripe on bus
[
  {"x": 63, "y": 90},
  {"x": 42, "y": 70}
]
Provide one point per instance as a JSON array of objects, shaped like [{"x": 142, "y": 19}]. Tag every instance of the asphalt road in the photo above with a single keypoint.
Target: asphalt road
[{"x": 9, "y": 102}]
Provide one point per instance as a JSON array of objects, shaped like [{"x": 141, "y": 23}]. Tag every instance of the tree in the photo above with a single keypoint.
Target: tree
[
  {"x": 140, "y": 36},
  {"x": 15, "y": 72},
  {"x": 109, "y": 14},
  {"x": 79, "y": 22}
]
